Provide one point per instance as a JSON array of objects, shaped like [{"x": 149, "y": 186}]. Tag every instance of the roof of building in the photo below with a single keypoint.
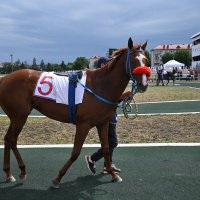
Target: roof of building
[
  {"x": 95, "y": 57},
  {"x": 172, "y": 46},
  {"x": 195, "y": 35}
]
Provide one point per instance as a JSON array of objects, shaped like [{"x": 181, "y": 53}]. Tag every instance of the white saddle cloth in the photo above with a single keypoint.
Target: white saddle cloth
[{"x": 55, "y": 87}]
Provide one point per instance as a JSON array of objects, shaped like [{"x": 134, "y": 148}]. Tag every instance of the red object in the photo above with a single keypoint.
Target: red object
[{"x": 142, "y": 70}]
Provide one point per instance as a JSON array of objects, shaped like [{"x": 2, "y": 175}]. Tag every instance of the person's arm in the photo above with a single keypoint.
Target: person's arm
[{"x": 126, "y": 95}]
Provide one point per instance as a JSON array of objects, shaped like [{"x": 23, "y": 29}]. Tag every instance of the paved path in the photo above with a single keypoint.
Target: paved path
[
  {"x": 157, "y": 173},
  {"x": 170, "y": 107},
  {"x": 193, "y": 84}
]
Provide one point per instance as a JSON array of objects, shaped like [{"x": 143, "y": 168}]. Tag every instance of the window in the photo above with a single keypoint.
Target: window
[
  {"x": 196, "y": 42},
  {"x": 196, "y": 58}
]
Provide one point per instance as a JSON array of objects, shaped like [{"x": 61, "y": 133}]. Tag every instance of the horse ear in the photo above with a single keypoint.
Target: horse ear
[
  {"x": 144, "y": 46},
  {"x": 130, "y": 43}
]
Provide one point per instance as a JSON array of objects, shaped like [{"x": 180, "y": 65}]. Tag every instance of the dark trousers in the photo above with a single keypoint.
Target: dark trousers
[
  {"x": 160, "y": 78},
  {"x": 113, "y": 142}
]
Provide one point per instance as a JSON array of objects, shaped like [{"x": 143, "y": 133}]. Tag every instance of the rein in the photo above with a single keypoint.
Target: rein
[
  {"x": 97, "y": 96},
  {"x": 125, "y": 105},
  {"x": 134, "y": 84}
]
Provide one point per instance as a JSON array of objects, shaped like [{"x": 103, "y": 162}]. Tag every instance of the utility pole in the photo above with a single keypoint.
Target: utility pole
[{"x": 11, "y": 57}]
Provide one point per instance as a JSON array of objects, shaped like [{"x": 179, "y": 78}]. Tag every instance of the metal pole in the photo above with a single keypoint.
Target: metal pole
[{"x": 11, "y": 57}]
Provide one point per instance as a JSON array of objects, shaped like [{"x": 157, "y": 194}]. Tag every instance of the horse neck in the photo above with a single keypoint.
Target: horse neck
[{"x": 111, "y": 81}]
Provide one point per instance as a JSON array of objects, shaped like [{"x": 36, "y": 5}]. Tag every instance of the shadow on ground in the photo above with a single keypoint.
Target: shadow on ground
[{"x": 81, "y": 188}]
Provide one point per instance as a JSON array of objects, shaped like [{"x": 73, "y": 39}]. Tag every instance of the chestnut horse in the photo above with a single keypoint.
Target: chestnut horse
[{"x": 109, "y": 82}]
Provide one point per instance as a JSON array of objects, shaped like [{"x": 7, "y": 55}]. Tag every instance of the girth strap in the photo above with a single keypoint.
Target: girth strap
[{"x": 73, "y": 79}]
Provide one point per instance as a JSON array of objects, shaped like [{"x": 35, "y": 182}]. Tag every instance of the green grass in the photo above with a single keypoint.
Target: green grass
[{"x": 167, "y": 93}]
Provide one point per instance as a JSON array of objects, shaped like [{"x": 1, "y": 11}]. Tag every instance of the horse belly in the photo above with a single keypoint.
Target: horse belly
[{"x": 51, "y": 109}]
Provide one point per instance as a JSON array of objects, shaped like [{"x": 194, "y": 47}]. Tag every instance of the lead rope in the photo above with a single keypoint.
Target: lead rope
[
  {"x": 127, "y": 108},
  {"x": 126, "y": 104}
]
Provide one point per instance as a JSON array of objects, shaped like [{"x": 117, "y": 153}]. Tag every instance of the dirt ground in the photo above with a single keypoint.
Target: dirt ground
[{"x": 148, "y": 129}]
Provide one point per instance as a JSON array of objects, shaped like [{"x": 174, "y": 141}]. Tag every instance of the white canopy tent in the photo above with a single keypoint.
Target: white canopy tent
[{"x": 168, "y": 66}]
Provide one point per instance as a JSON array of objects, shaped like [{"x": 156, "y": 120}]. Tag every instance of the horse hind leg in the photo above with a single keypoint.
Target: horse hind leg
[{"x": 10, "y": 142}]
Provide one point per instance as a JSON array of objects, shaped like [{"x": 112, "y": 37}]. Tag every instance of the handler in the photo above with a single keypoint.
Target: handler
[{"x": 112, "y": 135}]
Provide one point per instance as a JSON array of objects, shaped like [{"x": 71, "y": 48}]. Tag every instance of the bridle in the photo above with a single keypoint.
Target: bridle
[
  {"x": 128, "y": 63},
  {"x": 128, "y": 68},
  {"x": 126, "y": 103}
]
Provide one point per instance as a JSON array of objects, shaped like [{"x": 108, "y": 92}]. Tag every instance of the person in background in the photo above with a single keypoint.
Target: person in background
[
  {"x": 160, "y": 76},
  {"x": 112, "y": 134}
]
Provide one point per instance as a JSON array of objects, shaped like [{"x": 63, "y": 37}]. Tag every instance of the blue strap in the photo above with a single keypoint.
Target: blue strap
[
  {"x": 128, "y": 63},
  {"x": 97, "y": 96},
  {"x": 128, "y": 66},
  {"x": 71, "y": 97}
]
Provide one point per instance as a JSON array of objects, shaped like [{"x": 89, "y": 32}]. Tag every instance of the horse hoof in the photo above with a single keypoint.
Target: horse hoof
[
  {"x": 10, "y": 179},
  {"x": 22, "y": 178},
  {"x": 117, "y": 179},
  {"x": 55, "y": 184}
]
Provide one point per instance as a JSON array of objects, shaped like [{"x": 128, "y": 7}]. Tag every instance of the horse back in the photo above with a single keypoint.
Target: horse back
[{"x": 16, "y": 99}]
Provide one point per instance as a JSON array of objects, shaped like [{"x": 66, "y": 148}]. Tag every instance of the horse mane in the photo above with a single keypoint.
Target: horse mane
[
  {"x": 116, "y": 54},
  {"x": 120, "y": 51}
]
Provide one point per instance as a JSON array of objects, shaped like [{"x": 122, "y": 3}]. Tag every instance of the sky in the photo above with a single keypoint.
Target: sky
[{"x": 65, "y": 29}]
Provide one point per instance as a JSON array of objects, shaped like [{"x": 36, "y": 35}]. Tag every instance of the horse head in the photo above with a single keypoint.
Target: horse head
[{"x": 136, "y": 65}]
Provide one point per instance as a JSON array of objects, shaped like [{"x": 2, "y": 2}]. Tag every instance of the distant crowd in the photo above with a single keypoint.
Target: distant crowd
[{"x": 182, "y": 73}]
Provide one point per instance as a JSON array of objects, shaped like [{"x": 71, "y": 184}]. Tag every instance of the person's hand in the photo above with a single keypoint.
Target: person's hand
[{"x": 126, "y": 95}]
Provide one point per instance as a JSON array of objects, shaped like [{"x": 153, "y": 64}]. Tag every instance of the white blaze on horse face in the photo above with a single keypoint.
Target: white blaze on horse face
[
  {"x": 144, "y": 79},
  {"x": 140, "y": 57}
]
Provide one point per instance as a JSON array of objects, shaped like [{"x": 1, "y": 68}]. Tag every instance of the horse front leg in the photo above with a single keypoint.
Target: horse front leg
[
  {"x": 103, "y": 136},
  {"x": 81, "y": 133}
]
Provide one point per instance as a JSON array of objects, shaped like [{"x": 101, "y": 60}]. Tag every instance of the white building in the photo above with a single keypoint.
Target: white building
[
  {"x": 196, "y": 50},
  {"x": 158, "y": 51},
  {"x": 92, "y": 61}
]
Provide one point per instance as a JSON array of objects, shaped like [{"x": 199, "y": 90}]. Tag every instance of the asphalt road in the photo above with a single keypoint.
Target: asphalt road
[
  {"x": 148, "y": 173},
  {"x": 172, "y": 107}
]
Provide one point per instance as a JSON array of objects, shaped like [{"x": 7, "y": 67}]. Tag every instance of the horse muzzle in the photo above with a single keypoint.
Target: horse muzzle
[{"x": 142, "y": 73}]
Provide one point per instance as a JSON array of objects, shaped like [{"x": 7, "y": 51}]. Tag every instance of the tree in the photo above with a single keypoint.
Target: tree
[
  {"x": 49, "y": 67},
  {"x": 70, "y": 66},
  {"x": 63, "y": 66},
  {"x": 42, "y": 65},
  {"x": 18, "y": 63},
  {"x": 57, "y": 68},
  {"x": 148, "y": 55},
  {"x": 167, "y": 56},
  {"x": 80, "y": 63},
  {"x": 183, "y": 56},
  {"x": 34, "y": 65},
  {"x": 7, "y": 68}
]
